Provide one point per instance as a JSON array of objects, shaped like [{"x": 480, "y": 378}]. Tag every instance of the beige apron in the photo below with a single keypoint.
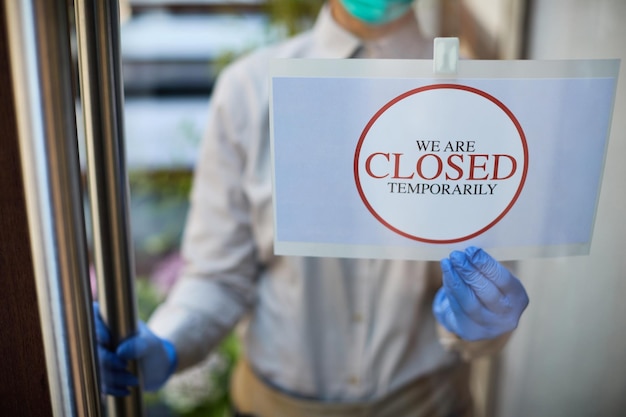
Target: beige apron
[{"x": 443, "y": 394}]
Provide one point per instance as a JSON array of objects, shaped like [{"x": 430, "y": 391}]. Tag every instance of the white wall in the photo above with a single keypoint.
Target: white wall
[
  {"x": 490, "y": 14},
  {"x": 568, "y": 358}
]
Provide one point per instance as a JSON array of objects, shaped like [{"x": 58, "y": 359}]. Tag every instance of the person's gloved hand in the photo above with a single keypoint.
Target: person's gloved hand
[
  {"x": 156, "y": 358},
  {"x": 480, "y": 298}
]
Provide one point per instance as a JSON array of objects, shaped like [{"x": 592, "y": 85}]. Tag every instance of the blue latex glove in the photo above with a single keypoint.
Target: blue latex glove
[
  {"x": 156, "y": 358},
  {"x": 480, "y": 299}
]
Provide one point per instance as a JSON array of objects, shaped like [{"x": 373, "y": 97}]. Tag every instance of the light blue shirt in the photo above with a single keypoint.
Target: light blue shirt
[{"x": 332, "y": 329}]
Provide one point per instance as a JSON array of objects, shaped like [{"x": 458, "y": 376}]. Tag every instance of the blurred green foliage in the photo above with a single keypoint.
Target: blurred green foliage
[
  {"x": 287, "y": 18},
  {"x": 148, "y": 298},
  {"x": 216, "y": 401},
  {"x": 183, "y": 399},
  {"x": 165, "y": 192},
  {"x": 158, "y": 209},
  {"x": 293, "y": 15}
]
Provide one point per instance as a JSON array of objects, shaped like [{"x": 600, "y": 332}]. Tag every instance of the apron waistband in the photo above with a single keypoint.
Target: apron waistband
[{"x": 444, "y": 393}]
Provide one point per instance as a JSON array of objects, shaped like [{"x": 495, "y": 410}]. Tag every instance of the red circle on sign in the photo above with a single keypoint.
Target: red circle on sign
[{"x": 481, "y": 93}]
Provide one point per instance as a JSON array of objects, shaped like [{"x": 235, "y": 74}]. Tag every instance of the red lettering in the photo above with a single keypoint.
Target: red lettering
[
  {"x": 455, "y": 167},
  {"x": 496, "y": 166},
  {"x": 368, "y": 164},
  {"x": 473, "y": 166},
  {"x": 420, "y": 171},
  {"x": 430, "y": 166},
  {"x": 396, "y": 171}
]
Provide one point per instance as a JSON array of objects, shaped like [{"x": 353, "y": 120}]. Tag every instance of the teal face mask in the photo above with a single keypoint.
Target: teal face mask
[{"x": 376, "y": 12}]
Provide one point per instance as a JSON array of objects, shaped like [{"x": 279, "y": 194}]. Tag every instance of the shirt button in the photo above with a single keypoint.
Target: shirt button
[
  {"x": 353, "y": 380},
  {"x": 357, "y": 317}
]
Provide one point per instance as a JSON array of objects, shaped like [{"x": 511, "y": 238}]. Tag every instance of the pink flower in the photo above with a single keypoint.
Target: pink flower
[{"x": 166, "y": 272}]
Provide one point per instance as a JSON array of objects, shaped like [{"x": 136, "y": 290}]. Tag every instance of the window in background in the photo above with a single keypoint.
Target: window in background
[
  {"x": 487, "y": 29},
  {"x": 172, "y": 52}
]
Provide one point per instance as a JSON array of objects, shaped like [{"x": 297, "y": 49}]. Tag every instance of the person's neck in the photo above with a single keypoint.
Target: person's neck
[{"x": 363, "y": 30}]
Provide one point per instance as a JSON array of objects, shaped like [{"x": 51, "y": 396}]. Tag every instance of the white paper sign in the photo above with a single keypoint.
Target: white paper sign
[{"x": 383, "y": 159}]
